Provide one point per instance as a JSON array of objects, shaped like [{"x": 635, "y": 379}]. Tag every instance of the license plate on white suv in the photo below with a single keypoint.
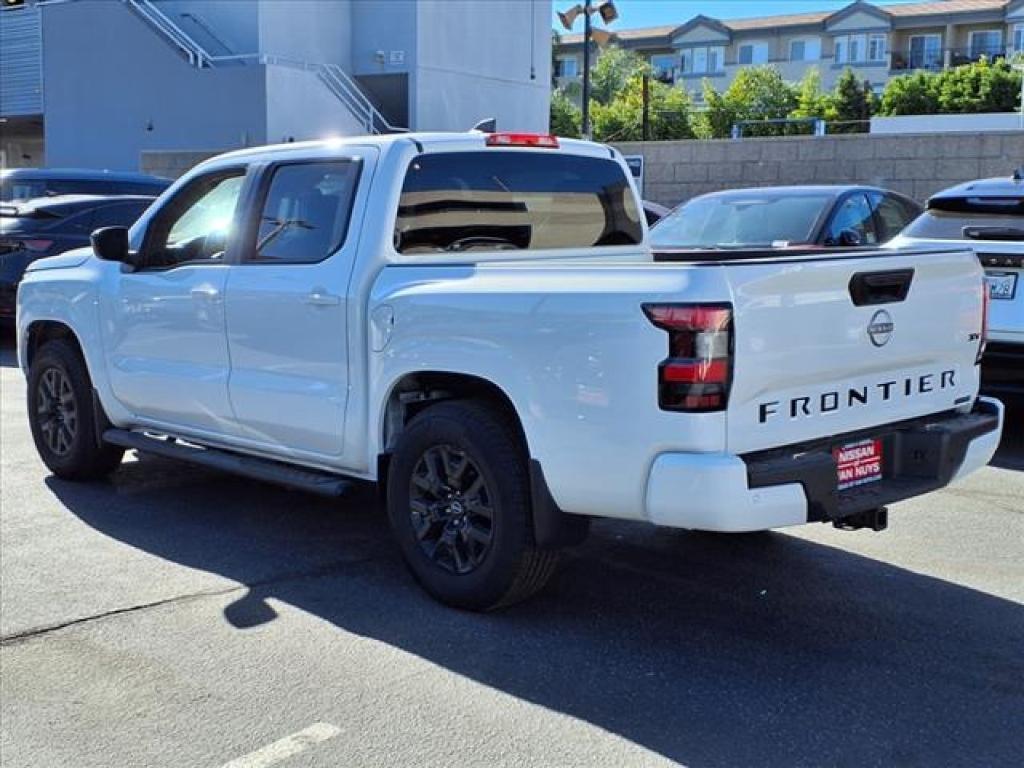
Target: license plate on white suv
[{"x": 1001, "y": 285}]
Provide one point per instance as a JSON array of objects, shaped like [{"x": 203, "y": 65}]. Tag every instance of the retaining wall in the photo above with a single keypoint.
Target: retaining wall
[{"x": 915, "y": 164}]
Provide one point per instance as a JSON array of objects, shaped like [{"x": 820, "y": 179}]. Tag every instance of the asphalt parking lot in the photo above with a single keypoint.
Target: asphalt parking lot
[{"x": 178, "y": 617}]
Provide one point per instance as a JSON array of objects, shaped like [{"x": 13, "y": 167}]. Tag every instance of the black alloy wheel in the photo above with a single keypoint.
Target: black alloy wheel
[{"x": 450, "y": 506}]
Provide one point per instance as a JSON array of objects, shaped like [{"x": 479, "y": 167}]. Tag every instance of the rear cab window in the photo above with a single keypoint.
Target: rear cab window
[{"x": 509, "y": 200}]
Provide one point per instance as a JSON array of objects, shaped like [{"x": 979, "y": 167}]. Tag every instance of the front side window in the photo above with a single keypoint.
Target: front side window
[
  {"x": 1018, "y": 38},
  {"x": 305, "y": 214},
  {"x": 797, "y": 50},
  {"x": 499, "y": 200},
  {"x": 567, "y": 67},
  {"x": 197, "y": 223},
  {"x": 852, "y": 223}
]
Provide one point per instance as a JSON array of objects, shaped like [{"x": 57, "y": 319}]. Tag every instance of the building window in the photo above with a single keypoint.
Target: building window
[
  {"x": 568, "y": 67},
  {"x": 753, "y": 53},
  {"x": 663, "y": 66},
  {"x": 1018, "y": 38},
  {"x": 876, "y": 47},
  {"x": 987, "y": 42},
  {"x": 853, "y": 49},
  {"x": 925, "y": 51},
  {"x": 697, "y": 61},
  {"x": 805, "y": 49}
]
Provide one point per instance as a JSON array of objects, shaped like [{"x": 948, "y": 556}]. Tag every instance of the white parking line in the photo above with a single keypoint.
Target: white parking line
[{"x": 286, "y": 747}]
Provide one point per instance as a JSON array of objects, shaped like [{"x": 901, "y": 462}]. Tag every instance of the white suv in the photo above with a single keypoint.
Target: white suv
[{"x": 988, "y": 215}]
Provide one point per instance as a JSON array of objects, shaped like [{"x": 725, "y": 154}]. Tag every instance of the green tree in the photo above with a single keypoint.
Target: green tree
[
  {"x": 716, "y": 119},
  {"x": 811, "y": 101},
  {"x": 983, "y": 86},
  {"x": 916, "y": 94},
  {"x": 565, "y": 115},
  {"x": 621, "y": 119},
  {"x": 613, "y": 70},
  {"x": 756, "y": 93},
  {"x": 852, "y": 104}
]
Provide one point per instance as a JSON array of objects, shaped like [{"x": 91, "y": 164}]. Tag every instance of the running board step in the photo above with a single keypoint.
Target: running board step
[{"x": 309, "y": 480}]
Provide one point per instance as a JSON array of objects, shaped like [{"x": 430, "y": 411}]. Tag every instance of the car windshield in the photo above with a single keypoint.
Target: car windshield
[
  {"x": 956, "y": 225},
  {"x": 741, "y": 221}
]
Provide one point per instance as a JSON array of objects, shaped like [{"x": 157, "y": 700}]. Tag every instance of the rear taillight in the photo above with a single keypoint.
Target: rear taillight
[
  {"x": 698, "y": 370},
  {"x": 985, "y": 298},
  {"x": 36, "y": 246}
]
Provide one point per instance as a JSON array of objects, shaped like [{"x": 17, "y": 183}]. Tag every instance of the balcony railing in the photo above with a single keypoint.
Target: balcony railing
[{"x": 937, "y": 59}]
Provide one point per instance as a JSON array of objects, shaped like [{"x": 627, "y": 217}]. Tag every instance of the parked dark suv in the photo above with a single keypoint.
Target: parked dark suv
[
  {"x": 27, "y": 183},
  {"x": 51, "y": 225}
]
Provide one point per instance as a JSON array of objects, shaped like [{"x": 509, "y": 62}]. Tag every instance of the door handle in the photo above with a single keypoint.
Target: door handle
[
  {"x": 206, "y": 292},
  {"x": 318, "y": 297}
]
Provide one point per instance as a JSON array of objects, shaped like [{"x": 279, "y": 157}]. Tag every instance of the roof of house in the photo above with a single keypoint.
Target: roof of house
[
  {"x": 933, "y": 8},
  {"x": 787, "y": 20},
  {"x": 944, "y": 6}
]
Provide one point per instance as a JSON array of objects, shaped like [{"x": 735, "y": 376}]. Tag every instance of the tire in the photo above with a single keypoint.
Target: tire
[
  {"x": 62, "y": 418},
  {"x": 479, "y": 489}
]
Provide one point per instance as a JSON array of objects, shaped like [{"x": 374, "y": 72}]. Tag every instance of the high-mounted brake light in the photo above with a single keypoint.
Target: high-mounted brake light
[
  {"x": 985, "y": 299},
  {"x": 698, "y": 371},
  {"x": 522, "y": 140}
]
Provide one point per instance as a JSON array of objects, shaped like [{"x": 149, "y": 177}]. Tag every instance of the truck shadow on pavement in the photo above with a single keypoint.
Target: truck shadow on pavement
[{"x": 709, "y": 650}]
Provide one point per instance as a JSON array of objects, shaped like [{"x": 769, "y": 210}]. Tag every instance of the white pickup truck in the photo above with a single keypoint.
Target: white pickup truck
[{"x": 477, "y": 323}]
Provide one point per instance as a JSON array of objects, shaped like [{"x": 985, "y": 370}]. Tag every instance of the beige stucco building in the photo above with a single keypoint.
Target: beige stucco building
[{"x": 878, "y": 41}]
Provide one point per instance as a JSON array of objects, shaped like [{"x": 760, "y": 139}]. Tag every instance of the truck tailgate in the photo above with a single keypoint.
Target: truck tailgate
[{"x": 826, "y": 344}]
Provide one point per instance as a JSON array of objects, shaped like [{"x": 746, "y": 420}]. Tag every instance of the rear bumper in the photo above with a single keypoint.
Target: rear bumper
[
  {"x": 797, "y": 484},
  {"x": 1002, "y": 368}
]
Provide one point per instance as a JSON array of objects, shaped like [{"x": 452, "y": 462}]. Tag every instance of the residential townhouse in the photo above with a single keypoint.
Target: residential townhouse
[{"x": 877, "y": 41}]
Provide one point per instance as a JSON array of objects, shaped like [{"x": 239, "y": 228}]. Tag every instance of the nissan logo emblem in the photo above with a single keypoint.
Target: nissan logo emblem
[{"x": 880, "y": 328}]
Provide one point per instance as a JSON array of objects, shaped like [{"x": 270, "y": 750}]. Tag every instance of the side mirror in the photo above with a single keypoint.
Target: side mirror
[
  {"x": 111, "y": 244},
  {"x": 849, "y": 238}
]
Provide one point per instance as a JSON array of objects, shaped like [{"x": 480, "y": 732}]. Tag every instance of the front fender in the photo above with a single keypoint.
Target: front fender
[{"x": 69, "y": 296}]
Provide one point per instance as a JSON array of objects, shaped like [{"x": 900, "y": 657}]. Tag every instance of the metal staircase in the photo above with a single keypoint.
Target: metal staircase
[{"x": 334, "y": 78}]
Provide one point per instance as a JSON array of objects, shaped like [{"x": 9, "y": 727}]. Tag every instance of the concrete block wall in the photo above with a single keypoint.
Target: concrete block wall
[{"x": 917, "y": 165}]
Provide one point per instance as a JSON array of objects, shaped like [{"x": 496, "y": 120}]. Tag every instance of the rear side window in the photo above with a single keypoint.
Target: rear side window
[
  {"x": 893, "y": 215},
  {"x": 306, "y": 212},
  {"x": 514, "y": 200}
]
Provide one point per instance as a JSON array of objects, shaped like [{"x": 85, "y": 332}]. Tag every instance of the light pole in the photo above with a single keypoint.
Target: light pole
[{"x": 608, "y": 13}]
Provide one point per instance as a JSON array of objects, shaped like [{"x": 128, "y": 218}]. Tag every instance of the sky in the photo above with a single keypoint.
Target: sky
[{"x": 653, "y": 13}]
